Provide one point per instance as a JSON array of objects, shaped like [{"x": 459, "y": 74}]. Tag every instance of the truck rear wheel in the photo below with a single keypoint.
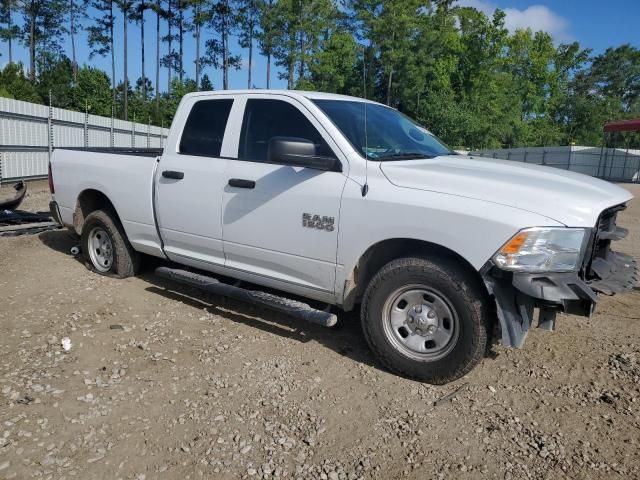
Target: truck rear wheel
[
  {"x": 106, "y": 248},
  {"x": 426, "y": 319}
]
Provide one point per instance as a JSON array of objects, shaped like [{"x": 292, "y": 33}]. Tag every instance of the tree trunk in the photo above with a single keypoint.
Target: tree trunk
[
  {"x": 113, "y": 55},
  {"x": 144, "y": 77},
  {"x": 181, "y": 39},
  {"x": 268, "y": 70},
  {"x": 125, "y": 21},
  {"x": 290, "y": 81},
  {"x": 74, "y": 64},
  {"x": 10, "y": 28},
  {"x": 32, "y": 46},
  {"x": 389, "y": 87},
  {"x": 196, "y": 21},
  {"x": 170, "y": 37},
  {"x": 225, "y": 51},
  {"x": 158, "y": 63},
  {"x": 250, "y": 54},
  {"x": 301, "y": 46}
]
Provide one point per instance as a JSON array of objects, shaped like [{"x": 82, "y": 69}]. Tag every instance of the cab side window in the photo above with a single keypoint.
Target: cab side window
[
  {"x": 265, "y": 119},
  {"x": 204, "y": 130}
]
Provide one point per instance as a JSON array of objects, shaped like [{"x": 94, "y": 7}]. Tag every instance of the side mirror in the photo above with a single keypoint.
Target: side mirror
[{"x": 299, "y": 152}]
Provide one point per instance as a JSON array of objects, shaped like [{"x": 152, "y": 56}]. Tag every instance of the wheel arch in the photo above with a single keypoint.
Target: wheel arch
[
  {"x": 90, "y": 200},
  {"x": 383, "y": 252}
]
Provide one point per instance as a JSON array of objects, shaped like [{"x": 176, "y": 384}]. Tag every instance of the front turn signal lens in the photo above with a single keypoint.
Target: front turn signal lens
[{"x": 515, "y": 244}]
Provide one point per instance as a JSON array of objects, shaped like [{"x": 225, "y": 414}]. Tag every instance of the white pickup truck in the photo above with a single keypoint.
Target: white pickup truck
[{"x": 350, "y": 204}]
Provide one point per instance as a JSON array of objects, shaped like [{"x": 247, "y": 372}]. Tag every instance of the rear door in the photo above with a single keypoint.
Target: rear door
[
  {"x": 190, "y": 182},
  {"x": 281, "y": 222}
]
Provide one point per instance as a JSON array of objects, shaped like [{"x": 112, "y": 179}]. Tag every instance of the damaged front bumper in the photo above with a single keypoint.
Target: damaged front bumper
[{"x": 517, "y": 294}]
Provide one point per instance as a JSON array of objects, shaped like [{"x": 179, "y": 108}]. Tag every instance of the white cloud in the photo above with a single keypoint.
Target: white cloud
[{"x": 535, "y": 17}]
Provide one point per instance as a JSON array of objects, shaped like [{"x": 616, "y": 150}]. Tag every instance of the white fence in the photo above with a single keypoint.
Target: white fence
[
  {"x": 29, "y": 132},
  {"x": 614, "y": 164}
]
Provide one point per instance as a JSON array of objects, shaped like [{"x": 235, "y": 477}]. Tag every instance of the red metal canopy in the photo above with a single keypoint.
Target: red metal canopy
[{"x": 623, "y": 126}]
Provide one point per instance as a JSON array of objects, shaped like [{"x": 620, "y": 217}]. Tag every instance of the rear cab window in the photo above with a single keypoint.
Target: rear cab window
[{"x": 203, "y": 132}]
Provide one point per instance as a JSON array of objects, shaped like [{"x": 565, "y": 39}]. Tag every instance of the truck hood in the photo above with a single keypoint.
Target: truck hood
[{"x": 570, "y": 198}]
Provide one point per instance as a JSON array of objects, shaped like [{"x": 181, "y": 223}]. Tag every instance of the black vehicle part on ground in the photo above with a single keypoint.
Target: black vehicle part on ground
[
  {"x": 13, "y": 203},
  {"x": 603, "y": 271},
  {"x": 17, "y": 222},
  {"x": 287, "y": 306}
]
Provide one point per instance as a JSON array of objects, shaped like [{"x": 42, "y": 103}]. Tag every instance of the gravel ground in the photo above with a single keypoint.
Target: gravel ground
[{"x": 164, "y": 382}]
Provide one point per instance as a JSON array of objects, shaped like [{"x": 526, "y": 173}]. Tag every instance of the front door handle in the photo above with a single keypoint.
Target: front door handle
[
  {"x": 173, "y": 174},
  {"x": 241, "y": 183}
]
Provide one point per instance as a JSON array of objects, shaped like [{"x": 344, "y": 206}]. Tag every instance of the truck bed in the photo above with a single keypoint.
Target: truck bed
[{"x": 123, "y": 175}]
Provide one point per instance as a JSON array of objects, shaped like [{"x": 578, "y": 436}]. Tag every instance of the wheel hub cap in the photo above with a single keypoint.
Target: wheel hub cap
[
  {"x": 100, "y": 249},
  {"x": 420, "y": 322}
]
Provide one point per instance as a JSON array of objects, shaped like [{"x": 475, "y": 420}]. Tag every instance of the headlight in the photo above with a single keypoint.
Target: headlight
[{"x": 543, "y": 250}]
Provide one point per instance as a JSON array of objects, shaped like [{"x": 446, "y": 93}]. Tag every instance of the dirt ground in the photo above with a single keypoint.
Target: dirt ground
[{"x": 164, "y": 382}]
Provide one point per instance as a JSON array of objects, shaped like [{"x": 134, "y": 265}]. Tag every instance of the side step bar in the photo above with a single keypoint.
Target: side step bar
[{"x": 287, "y": 306}]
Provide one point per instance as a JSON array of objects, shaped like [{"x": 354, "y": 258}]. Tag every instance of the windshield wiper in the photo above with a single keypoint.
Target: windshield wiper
[{"x": 405, "y": 156}]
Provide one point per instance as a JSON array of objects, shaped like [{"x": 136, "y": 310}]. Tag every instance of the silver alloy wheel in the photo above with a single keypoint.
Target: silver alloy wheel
[
  {"x": 100, "y": 249},
  {"x": 420, "y": 322}
]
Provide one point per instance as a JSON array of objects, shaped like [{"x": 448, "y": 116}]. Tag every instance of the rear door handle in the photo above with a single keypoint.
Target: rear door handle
[
  {"x": 241, "y": 183},
  {"x": 173, "y": 174}
]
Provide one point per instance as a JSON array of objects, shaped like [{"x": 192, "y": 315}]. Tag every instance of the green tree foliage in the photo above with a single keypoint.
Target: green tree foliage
[
  {"x": 458, "y": 71},
  {"x": 15, "y": 84},
  {"x": 93, "y": 88}
]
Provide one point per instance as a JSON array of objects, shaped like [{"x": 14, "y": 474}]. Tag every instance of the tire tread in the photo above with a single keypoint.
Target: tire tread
[{"x": 471, "y": 292}]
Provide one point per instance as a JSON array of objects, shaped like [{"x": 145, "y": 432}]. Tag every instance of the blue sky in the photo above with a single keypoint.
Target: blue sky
[{"x": 593, "y": 23}]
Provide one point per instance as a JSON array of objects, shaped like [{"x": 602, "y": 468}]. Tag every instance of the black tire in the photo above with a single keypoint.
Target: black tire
[
  {"x": 125, "y": 261},
  {"x": 461, "y": 293}
]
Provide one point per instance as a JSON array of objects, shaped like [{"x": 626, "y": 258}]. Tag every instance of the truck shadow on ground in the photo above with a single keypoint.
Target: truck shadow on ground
[
  {"x": 346, "y": 338},
  {"x": 61, "y": 240}
]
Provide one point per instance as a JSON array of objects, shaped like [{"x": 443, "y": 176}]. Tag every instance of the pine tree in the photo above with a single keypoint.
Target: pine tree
[
  {"x": 248, "y": 21},
  {"x": 100, "y": 36},
  {"x": 8, "y": 30},
  {"x": 222, "y": 24}
]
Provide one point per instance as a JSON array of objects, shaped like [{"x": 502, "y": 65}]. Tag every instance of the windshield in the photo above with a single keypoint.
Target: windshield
[{"x": 390, "y": 134}]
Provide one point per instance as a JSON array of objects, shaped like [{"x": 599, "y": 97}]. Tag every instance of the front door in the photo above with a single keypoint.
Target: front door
[
  {"x": 281, "y": 222},
  {"x": 190, "y": 182}
]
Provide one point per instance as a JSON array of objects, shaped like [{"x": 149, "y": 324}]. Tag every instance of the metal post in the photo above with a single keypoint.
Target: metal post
[
  {"x": 162, "y": 133},
  {"x": 613, "y": 159},
  {"x": 133, "y": 131},
  {"x": 570, "y": 154},
  {"x": 604, "y": 142},
  {"x": 111, "y": 136},
  {"x": 50, "y": 125},
  {"x": 149, "y": 132},
  {"x": 624, "y": 166},
  {"x": 86, "y": 123},
  {"x": 525, "y": 156},
  {"x": 0, "y": 169},
  {"x": 544, "y": 157}
]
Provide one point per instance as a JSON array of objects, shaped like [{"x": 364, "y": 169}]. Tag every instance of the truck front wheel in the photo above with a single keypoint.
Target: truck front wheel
[
  {"x": 426, "y": 319},
  {"x": 106, "y": 248}
]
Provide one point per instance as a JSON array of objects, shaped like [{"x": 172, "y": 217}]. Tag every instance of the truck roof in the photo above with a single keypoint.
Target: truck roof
[{"x": 290, "y": 93}]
